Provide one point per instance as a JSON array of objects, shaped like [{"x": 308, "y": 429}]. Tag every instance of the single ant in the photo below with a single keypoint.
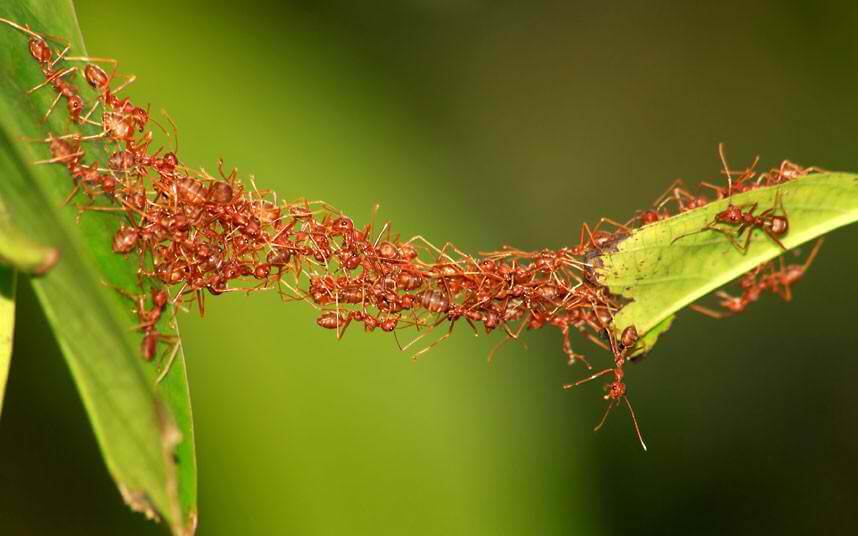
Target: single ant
[
  {"x": 742, "y": 182},
  {"x": 616, "y": 389},
  {"x": 774, "y": 225},
  {"x": 595, "y": 238},
  {"x": 754, "y": 284}
]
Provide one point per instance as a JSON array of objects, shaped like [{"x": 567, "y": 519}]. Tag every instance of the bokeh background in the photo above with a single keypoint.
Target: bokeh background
[{"x": 484, "y": 123}]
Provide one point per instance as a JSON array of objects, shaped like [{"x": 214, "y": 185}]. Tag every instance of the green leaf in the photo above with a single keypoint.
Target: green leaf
[
  {"x": 660, "y": 273},
  {"x": 144, "y": 429},
  {"x": 23, "y": 254},
  {"x": 7, "y": 324}
]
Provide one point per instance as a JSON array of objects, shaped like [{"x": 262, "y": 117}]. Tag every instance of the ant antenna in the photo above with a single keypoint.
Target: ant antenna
[{"x": 175, "y": 131}]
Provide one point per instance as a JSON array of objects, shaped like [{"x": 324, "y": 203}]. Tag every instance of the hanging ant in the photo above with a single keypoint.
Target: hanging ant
[
  {"x": 616, "y": 389},
  {"x": 755, "y": 282}
]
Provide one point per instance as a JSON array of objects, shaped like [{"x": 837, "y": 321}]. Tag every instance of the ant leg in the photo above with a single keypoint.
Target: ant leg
[
  {"x": 437, "y": 342},
  {"x": 586, "y": 229},
  {"x": 441, "y": 252},
  {"x": 812, "y": 256},
  {"x": 169, "y": 365},
  {"x": 95, "y": 59},
  {"x": 731, "y": 237},
  {"x": 510, "y": 335},
  {"x": 707, "y": 312},
  {"x": 615, "y": 223},
  {"x": 708, "y": 227},
  {"x": 51, "y": 78},
  {"x": 51, "y": 107},
  {"x": 59, "y": 159},
  {"x": 416, "y": 339},
  {"x": 666, "y": 196},
  {"x": 71, "y": 195},
  {"x": 719, "y": 190},
  {"x": 595, "y": 340},
  {"x": 342, "y": 330},
  {"x": 770, "y": 235},
  {"x": 726, "y": 169},
  {"x": 588, "y": 379},
  {"x": 567, "y": 349},
  {"x": 24, "y": 29},
  {"x": 201, "y": 302}
]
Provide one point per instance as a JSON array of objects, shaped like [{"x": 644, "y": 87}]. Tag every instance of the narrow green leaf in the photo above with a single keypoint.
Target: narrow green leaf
[
  {"x": 660, "y": 273},
  {"x": 7, "y": 324},
  {"x": 23, "y": 254},
  {"x": 144, "y": 429}
]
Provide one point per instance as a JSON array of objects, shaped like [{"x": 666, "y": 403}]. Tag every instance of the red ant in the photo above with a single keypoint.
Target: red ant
[
  {"x": 616, "y": 389},
  {"x": 735, "y": 185},
  {"x": 787, "y": 171},
  {"x": 782, "y": 280},
  {"x": 753, "y": 285},
  {"x": 595, "y": 238},
  {"x": 772, "y": 224}
]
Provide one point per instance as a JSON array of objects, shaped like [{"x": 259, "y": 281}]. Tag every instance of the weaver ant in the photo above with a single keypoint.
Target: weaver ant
[
  {"x": 772, "y": 224},
  {"x": 741, "y": 182},
  {"x": 757, "y": 281},
  {"x": 616, "y": 389}
]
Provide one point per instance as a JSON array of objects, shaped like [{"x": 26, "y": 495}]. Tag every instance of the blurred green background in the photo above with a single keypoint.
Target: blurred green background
[{"x": 484, "y": 123}]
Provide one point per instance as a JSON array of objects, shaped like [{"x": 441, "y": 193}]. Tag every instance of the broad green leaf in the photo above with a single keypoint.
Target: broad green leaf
[
  {"x": 144, "y": 429},
  {"x": 7, "y": 324},
  {"x": 660, "y": 273}
]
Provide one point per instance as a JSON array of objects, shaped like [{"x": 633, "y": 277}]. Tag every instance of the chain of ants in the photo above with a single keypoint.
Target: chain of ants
[{"x": 197, "y": 234}]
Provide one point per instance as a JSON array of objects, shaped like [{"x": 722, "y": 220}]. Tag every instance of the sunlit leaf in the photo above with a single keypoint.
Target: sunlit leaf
[
  {"x": 7, "y": 324},
  {"x": 660, "y": 273}
]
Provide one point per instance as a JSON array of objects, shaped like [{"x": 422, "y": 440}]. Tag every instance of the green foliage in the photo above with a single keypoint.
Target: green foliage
[
  {"x": 7, "y": 323},
  {"x": 144, "y": 428},
  {"x": 661, "y": 273}
]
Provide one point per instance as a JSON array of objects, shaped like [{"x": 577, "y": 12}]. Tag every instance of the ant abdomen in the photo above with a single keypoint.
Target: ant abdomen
[{"x": 434, "y": 301}]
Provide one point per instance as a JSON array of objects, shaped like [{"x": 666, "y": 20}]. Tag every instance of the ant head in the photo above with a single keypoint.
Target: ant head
[
  {"x": 140, "y": 117},
  {"x": 732, "y": 214},
  {"x": 408, "y": 252},
  {"x": 159, "y": 297},
  {"x": 488, "y": 266},
  {"x": 649, "y": 216},
  {"x": 616, "y": 389},
  {"x": 389, "y": 324},
  {"x": 75, "y": 106},
  {"x": 342, "y": 225},
  {"x": 170, "y": 161},
  {"x": 108, "y": 184}
]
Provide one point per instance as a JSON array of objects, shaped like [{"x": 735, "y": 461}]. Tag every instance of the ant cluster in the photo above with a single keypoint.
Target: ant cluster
[{"x": 195, "y": 234}]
